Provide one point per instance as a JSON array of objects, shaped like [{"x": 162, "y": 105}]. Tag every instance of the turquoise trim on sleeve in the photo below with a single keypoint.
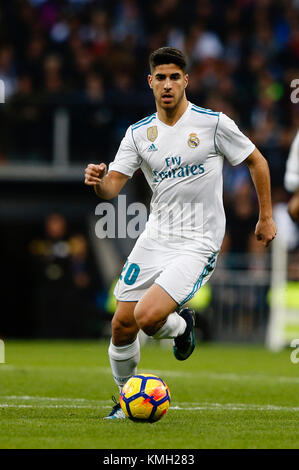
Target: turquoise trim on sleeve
[
  {"x": 144, "y": 123},
  {"x": 143, "y": 120},
  {"x": 212, "y": 113},
  {"x": 216, "y": 127},
  {"x": 134, "y": 140}
]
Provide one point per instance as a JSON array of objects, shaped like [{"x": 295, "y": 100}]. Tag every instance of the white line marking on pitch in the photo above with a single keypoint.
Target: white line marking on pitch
[
  {"x": 182, "y": 406},
  {"x": 212, "y": 375},
  {"x": 11, "y": 405},
  {"x": 59, "y": 399},
  {"x": 169, "y": 373},
  {"x": 224, "y": 376},
  {"x": 234, "y": 406}
]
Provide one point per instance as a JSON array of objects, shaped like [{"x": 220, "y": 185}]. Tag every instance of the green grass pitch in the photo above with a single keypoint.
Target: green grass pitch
[{"x": 54, "y": 395}]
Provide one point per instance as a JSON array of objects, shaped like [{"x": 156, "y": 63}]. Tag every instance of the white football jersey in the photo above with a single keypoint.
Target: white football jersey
[{"x": 183, "y": 167}]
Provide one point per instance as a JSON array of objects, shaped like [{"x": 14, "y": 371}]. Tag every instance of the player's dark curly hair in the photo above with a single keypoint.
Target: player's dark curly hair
[{"x": 167, "y": 55}]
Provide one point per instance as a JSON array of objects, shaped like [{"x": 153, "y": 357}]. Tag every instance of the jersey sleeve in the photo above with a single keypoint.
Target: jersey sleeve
[
  {"x": 231, "y": 142},
  {"x": 291, "y": 177},
  {"x": 127, "y": 160}
]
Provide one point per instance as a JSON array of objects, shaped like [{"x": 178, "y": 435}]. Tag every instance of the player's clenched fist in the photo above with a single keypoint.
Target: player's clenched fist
[
  {"x": 265, "y": 231},
  {"x": 95, "y": 173}
]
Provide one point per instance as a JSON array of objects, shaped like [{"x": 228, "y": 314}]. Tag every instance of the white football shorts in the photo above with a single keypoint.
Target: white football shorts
[{"x": 180, "y": 271}]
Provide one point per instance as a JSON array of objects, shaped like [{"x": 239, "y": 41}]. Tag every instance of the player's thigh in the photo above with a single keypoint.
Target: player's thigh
[
  {"x": 124, "y": 326},
  {"x": 154, "y": 307}
]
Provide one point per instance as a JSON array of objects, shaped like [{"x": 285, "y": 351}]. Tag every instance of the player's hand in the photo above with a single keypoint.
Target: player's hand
[
  {"x": 95, "y": 173},
  {"x": 265, "y": 230}
]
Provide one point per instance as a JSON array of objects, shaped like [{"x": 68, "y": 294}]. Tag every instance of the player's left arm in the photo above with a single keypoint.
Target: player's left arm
[
  {"x": 265, "y": 229},
  {"x": 291, "y": 179},
  {"x": 293, "y": 206}
]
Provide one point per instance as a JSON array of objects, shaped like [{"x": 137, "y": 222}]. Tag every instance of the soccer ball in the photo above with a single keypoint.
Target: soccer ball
[{"x": 145, "y": 397}]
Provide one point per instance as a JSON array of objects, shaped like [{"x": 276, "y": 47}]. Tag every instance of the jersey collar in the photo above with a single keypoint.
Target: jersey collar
[{"x": 182, "y": 118}]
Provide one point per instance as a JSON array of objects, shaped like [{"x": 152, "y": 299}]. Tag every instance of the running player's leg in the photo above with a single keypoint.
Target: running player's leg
[
  {"x": 175, "y": 286},
  {"x": 155, "y": 314},
  {"x": 124, "y": 349},
  {"x": 124, "y": 327}
]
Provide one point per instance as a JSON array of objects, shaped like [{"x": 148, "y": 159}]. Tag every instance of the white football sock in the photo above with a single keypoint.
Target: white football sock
[
  {"x": 124, "y": 361},
  {"x": 174, "y": 326}
]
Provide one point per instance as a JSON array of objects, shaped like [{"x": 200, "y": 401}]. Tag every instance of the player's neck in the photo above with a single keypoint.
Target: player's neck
[{"x": 171, "y": 116}]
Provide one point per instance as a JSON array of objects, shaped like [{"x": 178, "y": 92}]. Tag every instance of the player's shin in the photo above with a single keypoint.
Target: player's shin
[
  {"x": 124, "y": 361},
  {"x": 173, "y": 327}
]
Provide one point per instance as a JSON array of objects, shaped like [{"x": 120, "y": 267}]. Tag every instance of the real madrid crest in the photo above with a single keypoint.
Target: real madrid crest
[
  {"x": 193, "y": 140},
  {"x": 152, "y": 133}
]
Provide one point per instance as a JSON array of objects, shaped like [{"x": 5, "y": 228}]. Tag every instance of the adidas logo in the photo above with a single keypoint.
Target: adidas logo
[{"x": 152, "y": 148}]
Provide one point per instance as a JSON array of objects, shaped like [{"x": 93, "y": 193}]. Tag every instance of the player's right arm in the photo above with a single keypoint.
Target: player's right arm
[
  {"x": 106, "y": 185},
  {"x": 126, "y": 162}
]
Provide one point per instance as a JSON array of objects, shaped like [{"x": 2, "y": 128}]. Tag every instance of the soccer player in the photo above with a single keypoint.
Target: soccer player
[
  {"x": 180, "y": 149},
  {"x": 291, "y": 178}
]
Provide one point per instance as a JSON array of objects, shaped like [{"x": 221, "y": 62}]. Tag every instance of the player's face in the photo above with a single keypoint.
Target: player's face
[{"x": 168, "y": 83}]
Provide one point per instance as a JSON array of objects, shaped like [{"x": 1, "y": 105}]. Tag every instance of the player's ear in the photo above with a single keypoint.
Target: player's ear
[
  {"x": 186, "y": 80},
  {"x": 150, "y": 80}
]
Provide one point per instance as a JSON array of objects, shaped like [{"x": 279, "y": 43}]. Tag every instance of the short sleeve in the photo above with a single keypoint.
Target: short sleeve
[
  {"x": 231, "y": 142},
  {"x": 127, "y": 160},
  {"x": 291, "y": 177}
]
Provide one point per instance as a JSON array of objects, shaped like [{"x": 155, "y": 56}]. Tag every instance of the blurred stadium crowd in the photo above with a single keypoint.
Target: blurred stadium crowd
[{"x": 90, "y": 57}]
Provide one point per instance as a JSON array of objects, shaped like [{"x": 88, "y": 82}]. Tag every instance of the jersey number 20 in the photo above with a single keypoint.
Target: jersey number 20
[{"x": 131, "y": 273}]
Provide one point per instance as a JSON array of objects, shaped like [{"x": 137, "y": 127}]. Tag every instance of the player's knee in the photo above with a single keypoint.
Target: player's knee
[
  {"x": 123, "y": 332},
  {"x": 146, "y": 319}
]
